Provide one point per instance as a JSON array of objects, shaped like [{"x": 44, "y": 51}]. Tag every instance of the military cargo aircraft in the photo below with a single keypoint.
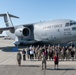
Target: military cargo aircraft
[{"x": 51, "y": 32}]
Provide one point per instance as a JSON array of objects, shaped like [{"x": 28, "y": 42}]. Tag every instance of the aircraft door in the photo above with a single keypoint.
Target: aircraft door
[
  {"x": 55, "y": 36},
  {"x": 45, "y": 35}
]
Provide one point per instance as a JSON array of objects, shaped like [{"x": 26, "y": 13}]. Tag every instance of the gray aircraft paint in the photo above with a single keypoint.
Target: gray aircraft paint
[{"x": 52, "y": 32}]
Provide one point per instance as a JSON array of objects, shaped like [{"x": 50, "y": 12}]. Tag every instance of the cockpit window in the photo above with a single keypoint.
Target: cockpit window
[
  {"x": 67, "y": 24},
  {"x": 70, "y": 24}
]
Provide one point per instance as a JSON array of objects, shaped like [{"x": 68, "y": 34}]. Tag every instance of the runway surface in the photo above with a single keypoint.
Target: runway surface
[{"x": 8, "y": 63}]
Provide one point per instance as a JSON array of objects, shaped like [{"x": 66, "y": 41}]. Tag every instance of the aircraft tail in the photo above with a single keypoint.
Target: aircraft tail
[{"x": 7, "y": 19}]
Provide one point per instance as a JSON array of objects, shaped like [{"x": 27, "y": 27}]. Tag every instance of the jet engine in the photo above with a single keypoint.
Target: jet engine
[{"x": 22, "y": 32}]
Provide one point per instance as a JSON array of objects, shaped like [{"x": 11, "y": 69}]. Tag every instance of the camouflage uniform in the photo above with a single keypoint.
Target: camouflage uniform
[
  {"x": 67, "y": 54},
  {"x": 62, "y": 54},
  {"x": 19, "y": 58},
  {"x": 39, "y": 53},
  {"x": 43, "y": 60}
]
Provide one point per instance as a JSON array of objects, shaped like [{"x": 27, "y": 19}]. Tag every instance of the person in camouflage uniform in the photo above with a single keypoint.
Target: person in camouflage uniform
[
  {"x": 19, "y": 57},
  {"x": 43, "y": 60},
  {"x": 39, "y": 53}
]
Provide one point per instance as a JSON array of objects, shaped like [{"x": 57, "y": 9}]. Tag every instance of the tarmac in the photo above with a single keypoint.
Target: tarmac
[{"x": 9, "y": 66}]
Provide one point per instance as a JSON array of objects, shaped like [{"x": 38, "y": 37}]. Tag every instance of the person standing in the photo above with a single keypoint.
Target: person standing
[
  {"x": 72, "y": 54},
  {"x": 19, "y": 57},
  {"x": 31, "y": 54},
  {"x": 28, "y": 53},
  {"x": 43, "y": 60},
  {"x": 24, "y": 54},
  {"x": 56, "y": 61}
]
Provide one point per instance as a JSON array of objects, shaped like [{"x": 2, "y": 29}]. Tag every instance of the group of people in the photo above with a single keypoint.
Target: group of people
[{"x": 45, "y": 53}]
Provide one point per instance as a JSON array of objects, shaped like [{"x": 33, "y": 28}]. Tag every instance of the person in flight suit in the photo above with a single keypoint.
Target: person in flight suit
[
  {"x": 19, "y": 57},
  {"x": 43, "y": 60}
]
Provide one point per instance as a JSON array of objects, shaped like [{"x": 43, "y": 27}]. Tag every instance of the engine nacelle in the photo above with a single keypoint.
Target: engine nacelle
[{"x": 22, "y": 32}]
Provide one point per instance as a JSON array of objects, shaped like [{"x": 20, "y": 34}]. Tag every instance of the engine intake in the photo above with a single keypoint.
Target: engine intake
[
  {"x": 26, "y": 32},
  {"x": 22, "y": 32}
]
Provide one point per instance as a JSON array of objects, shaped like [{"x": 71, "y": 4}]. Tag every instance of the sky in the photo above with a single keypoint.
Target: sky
[{"x": 32, "y": 11}]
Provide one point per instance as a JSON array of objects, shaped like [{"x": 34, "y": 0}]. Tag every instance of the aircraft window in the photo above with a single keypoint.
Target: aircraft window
[
  {"x": 72, "y": 23},
  {"x": 74, "y": 28},
  {"x": 67, "y": 24}
]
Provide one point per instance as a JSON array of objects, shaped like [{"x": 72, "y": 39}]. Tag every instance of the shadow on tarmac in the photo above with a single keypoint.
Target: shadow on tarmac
[
  {"x": 61, "y": 69},
  {"x": 10, "y": 48},
  {"x": 6, "y": 49},
  {"x": 48, "y": 68},
  {"x": 29, "y": 66}
]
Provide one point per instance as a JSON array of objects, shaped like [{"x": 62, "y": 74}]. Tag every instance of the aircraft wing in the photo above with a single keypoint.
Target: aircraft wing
[
  {"x": 12, "y": 28},
  {"x": 28, "y": 24},
  {"x": 5, "y": 28}
]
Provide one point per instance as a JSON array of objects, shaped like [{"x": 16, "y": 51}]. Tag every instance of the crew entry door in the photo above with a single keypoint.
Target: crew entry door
[{"x": 56, "y": 34}]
